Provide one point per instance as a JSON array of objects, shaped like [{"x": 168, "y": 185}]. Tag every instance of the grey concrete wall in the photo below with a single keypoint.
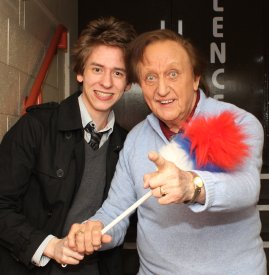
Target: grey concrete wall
[{"x": 26, "y": 28}]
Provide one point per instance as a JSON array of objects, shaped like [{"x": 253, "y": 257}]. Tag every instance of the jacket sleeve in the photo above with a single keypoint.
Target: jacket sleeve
[{"x": 18, "y": 151}]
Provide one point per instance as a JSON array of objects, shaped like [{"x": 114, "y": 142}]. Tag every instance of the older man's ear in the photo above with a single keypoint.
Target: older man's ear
[{"x": 128, "y": 87}]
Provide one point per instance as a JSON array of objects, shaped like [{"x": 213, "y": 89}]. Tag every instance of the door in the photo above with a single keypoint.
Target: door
[
  {"x": 145, "y": 15},
  {"x": 230, "y": 34}
]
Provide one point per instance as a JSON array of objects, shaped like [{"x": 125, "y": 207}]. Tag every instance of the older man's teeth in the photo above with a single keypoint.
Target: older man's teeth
[{"x": 166, "y": 101}]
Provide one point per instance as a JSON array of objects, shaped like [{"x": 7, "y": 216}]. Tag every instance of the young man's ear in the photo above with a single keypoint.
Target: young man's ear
[{"x": 79, "y": 78}]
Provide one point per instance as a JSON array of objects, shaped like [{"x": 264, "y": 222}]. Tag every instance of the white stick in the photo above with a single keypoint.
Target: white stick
[
  {"x": 123, "y": 214},
  {"x": 126, "y": 212}
]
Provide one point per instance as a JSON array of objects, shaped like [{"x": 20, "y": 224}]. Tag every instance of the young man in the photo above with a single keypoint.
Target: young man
[{"x": 58, "y": 160}]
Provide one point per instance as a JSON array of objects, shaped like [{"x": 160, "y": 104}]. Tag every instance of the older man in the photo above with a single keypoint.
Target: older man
[{"x": 202, "y": 217}]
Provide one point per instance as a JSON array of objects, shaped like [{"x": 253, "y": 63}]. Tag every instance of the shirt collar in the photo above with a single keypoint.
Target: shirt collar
[
  {"x": 167, "y": 132},
  {"x": 86, "y": 118}
]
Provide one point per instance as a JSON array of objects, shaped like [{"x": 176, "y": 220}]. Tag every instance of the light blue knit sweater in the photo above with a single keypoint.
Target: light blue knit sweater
[{"x": 221, "y": 237}]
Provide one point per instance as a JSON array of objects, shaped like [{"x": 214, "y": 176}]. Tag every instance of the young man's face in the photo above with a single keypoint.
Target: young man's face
[{"x": 104, "y": 79}]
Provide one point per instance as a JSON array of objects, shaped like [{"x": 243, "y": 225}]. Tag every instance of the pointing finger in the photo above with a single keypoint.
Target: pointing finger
[{"x": 157, "y": 159}]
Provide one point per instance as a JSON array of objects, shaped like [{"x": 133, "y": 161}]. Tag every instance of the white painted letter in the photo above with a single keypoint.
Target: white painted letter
[
  {"x": 217, "y": 26},
  {"x": 219, "y": 97},
  {"x": 216, "y": 6},
  {"x": 180, "y": 27},
  {"x": 220, "y": 53},
  {"x": 215, "y": 81},
  {"x": 162, "y": 24}
]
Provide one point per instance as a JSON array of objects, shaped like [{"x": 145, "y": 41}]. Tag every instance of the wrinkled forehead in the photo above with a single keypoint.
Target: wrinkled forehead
[{"x": 164, "y": 53}]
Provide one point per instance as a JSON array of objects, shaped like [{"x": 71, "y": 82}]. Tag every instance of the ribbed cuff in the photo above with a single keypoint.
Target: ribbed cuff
[{"x": 209, "y": 186}]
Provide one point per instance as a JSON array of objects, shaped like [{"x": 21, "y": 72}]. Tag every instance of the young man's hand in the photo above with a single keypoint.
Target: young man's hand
[{"x": 58, "y": 250}]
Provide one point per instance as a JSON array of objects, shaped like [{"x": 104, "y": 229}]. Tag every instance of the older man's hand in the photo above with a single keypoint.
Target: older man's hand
[
  {"x": 168, "y": 183},
  {"x": 87, "y": 237}
]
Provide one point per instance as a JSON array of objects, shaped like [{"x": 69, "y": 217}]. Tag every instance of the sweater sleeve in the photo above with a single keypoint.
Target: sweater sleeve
[
  {"x": 232, "y": 191},
  {"x": 121, "y": 196}
]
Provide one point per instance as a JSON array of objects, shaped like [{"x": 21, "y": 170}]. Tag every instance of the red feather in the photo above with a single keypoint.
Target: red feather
[{"x": 217, "y": 140}]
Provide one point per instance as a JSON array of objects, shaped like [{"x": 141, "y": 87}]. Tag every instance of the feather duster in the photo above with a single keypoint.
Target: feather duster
[
  {"x": 215, "y": 143},
  {"x": 175, "y": 153}
]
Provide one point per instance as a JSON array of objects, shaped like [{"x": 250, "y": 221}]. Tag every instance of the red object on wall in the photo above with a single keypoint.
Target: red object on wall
[{"x": 59, "y": 40}]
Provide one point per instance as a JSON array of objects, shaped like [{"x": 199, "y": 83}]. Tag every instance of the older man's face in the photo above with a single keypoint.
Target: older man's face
[{"x": 168, "y": 83}]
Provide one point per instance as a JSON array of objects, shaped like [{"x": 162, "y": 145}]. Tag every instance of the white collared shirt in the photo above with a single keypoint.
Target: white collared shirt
[{"x": 86, "y": 118}]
